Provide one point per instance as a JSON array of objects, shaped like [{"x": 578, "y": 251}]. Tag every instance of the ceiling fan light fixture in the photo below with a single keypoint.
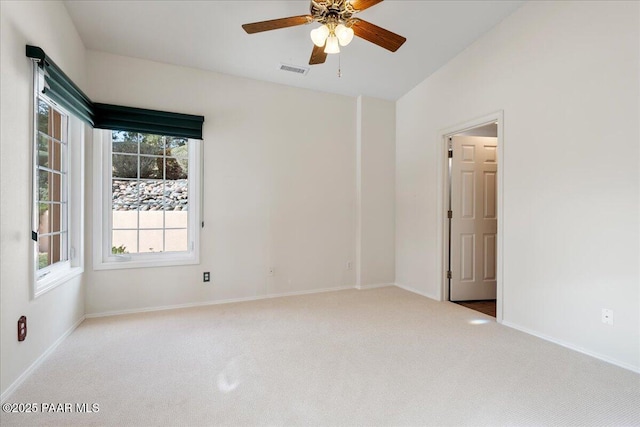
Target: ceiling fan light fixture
[
  {"x": 336, "y": 27},
  {"x": 319, "y": 35},
  {"x": 332, "y": 45},
  {"x": 344, "y": 34}
]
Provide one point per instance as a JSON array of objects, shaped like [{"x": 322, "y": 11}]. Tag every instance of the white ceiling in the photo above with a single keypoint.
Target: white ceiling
[{"x": 208, "y": 35}]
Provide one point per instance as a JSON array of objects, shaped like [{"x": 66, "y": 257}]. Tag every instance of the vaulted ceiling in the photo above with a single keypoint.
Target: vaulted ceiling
[{"x": 208, "y": 35}]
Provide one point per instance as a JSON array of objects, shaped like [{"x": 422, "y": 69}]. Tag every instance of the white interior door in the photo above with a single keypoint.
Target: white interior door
[{"x": 474, "y": 222}]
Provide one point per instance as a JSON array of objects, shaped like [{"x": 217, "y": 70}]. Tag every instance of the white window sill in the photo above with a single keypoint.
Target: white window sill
[
  {"x": 55, "y": 279},
  {"x": 149, "y": 261}
]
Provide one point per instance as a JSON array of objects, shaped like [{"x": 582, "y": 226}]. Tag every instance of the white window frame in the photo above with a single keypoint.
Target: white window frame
[
  {"x": 103, "y": 259},
  {"x": 72, "y": 191}
]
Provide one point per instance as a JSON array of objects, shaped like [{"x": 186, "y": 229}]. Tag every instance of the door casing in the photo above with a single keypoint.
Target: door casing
[{"x": 443, "y": 200}]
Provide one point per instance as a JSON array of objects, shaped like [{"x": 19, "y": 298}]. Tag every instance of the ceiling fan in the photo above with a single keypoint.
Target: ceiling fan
[{"x": 338, "y": 27}]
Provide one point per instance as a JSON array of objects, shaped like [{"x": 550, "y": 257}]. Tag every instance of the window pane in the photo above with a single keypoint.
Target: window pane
[
  {"x": 176, "y": 219},
  {"x": 176, "y": 168},
  {"x": 125, "y": 219},
  {"x": 55, "y": 217},
  {"x": 124, "y": 241},
  {"x": 55, "y": 249},
  {"x": 151, "y": 241},
  {"x": 151, "y": 195},
  {"x": 177, "y": 146},
  {"x": 177, "y": 164},
  {"x": 177, "y": 195},
  {"x": 124, "y": 195},
  {"x": 54, "y": 187},
  {"x": 44, "y": 148},
  {"x": 43, "y": 251},
  {"x": 55, "y": 156},
  {"x": 44, "y": 225},
  {"x": 124, "y": 142},
  {"x": 152, "y": 144},
  {"x": 176, "y": 240},
  {"x": 151, "y": 219},
  {"x": 117, "y": 136},
  {"x": 44, "y": 183},
  {"x": 55, "y": 124},
  {"x": 43, "y": 117},
  {"x": 125, "y": 147},
  {"x": 124, "y": 166},
  {"x": 151, "y": 167}
]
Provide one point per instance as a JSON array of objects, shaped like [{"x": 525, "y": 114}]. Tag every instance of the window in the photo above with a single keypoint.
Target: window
[
  {"x": 146, "y": 181},
  {"x": 57, "y": 244},
  {"x": 51, "y": 192},
  {"x": 147, "y": 195}
]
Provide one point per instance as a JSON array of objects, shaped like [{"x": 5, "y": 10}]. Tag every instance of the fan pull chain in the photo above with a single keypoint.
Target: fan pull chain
[{"x": 339, "y": 69}]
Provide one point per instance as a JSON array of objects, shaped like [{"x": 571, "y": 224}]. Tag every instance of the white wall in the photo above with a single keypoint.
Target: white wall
[
  {"x": 375, "y": 242},
  {"x": 279, "y": 186},
  {"x": 571, "y": 187},
  {"x": 45, "y": 24}
]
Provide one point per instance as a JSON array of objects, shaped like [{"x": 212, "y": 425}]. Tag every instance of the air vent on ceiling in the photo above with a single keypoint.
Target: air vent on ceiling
[{"x": 294, "y": 69}]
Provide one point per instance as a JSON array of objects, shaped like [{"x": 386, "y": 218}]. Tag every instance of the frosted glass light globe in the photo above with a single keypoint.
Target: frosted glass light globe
[
  {"x": 319, "y": 35},
  {"x": 344, "y": 34},
  {"x": 332, "y": 45}
]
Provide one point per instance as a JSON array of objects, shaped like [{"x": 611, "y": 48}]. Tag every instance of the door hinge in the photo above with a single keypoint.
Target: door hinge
[
  {"x": 449, "y": 274},
  {"x": 449, "y": 214},
  {"x": 451, "y": 154}
]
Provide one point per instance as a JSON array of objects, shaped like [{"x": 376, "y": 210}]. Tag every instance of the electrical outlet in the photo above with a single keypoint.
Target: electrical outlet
[
  {"x": 271, "y": 272},
  {"x": 607, "y": 316},
  {"x": 349, "y": 265},
  {"x": 206, "y": 276},
  {"x": 22, "y": 328}
]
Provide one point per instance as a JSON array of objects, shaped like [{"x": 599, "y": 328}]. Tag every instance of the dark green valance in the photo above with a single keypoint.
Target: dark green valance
[
  {"x": 148, "y": 121},
  {"x": 61, "y": 89}
]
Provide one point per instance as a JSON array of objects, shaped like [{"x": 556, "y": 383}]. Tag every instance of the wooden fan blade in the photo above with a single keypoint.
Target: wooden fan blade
[
  {"x": 317, "y": 55},
  {"x": 364, "y": 4},
  {"x": 377, "y": 35},
  {"x": 274, "y": 24}
]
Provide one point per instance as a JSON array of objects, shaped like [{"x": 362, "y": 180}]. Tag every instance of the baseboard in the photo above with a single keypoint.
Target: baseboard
[
  {"x": 215, "y": 302},
  {"x": 9, "y": 391},
  {"x": 374, "y": 286},
  {"x": 572, "y": 346},
  {"x": 415, "y": 291}
]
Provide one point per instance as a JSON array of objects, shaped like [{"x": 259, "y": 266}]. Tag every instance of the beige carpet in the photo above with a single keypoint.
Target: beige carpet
[{"x": 375, "y": 357}]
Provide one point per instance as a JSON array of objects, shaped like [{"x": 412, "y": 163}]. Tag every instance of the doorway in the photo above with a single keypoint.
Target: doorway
[{"x": 472, "y": 205}]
